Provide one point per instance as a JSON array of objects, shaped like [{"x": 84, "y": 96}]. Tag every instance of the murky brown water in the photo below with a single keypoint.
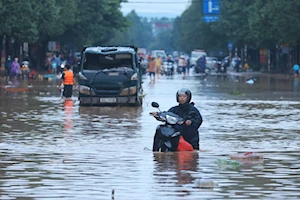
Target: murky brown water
[{"x": 55, "y": 149}]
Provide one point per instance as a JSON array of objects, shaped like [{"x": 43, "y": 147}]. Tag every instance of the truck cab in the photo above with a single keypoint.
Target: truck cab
[{"x": 110, "y": 76}]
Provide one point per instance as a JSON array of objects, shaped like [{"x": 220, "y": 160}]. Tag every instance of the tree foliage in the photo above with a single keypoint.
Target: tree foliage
[
  {"x": 258, "y": 23},
  {"x": 83, "y": 21},
  {"x": 138, "y": 32},
  {"x": 18, "y": 20},
  {"x": 192, "y": 32}
]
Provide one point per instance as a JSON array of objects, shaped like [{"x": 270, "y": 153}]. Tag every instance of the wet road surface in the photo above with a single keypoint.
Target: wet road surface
[{"x": 53, "y": 149}]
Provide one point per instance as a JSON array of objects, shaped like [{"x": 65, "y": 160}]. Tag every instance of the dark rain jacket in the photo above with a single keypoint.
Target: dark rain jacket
[
  {"x": 8, "y": 64},
  {"x": 189, "y": 133}
]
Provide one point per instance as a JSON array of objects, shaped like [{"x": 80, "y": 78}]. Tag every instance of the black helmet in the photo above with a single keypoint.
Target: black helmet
[{"x": 185, "y": 91}]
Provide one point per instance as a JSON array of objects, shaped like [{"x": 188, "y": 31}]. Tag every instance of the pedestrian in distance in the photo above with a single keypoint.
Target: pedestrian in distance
[
  {"x": 182, "y": 66},
  {"x": 54, "y": 64},
  {"x": 58, "y": 64},
  {"x": 68, "y": 79},
  {"x": 188, "y": 66},
  {"x": 237, "y": 63},
  {"x": 15, "y": 67},
  {"x": 158, "y": 63},
  {"x": 8, "y": 64},
  {"x": 152, "y": 69},
  {"x": 203, "y": 64},
  {"x": 296, "y": 70},
  {"x": 143, "y": 63}
]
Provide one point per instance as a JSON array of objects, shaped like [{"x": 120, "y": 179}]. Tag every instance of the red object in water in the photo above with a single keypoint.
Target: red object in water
[
  {"x": 248, "y": 155},
  {"x": 184, "y": 145}
]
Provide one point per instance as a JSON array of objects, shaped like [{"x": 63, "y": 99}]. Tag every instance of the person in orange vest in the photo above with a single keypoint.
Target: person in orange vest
[{"x": 68, "y": 79}]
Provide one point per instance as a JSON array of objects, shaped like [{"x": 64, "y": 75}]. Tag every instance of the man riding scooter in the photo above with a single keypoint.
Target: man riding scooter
[{"x": 189, "y": 129}]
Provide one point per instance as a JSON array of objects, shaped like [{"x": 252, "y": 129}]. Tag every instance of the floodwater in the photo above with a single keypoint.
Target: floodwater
[{"x": 51, "y": 149}]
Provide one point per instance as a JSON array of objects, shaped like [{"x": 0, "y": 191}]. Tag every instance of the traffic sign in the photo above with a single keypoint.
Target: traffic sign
[
  {"x": 211, "y": 7},
  {"x": 210, "y": 18}
]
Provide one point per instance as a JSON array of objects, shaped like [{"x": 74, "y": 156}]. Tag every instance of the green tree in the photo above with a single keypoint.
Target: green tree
[
  {"x": 163, "y": 41},
  {"x": 95, "y": 22},
  {"x": 138, "y": 32},
  {"x": 193, "y": 33},
  {"x": 18, "y": 20}
]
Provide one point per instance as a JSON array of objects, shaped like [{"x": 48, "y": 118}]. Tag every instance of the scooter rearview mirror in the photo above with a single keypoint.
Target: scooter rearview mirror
[{"x": 155, "y": 105}]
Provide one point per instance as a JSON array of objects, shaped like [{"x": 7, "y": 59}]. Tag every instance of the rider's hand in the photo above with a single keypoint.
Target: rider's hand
[
  {"x": 188, "y": 122},
  {"x": 153, "y": 113}
]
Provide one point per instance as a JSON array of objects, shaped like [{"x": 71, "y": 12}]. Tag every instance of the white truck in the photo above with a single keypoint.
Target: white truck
[
  {"x": 161, "y": 53},
  {"x": 195, "y": 55}
]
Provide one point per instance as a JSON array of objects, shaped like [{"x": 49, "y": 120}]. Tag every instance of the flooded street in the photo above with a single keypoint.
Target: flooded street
[{"x": 56, "y": 149}]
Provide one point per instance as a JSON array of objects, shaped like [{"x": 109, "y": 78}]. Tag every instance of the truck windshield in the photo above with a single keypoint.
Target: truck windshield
[{"x": 93, "y": 61}]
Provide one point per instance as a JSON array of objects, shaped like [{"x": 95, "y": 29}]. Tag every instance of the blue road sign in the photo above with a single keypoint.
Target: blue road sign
[
  {"x": 211, "y": 7},
  {"x": 230, "y": 46},
  {"x": 210, "y": 18}
]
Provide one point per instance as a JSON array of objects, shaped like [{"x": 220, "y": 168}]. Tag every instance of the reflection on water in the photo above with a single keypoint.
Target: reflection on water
[
  {"x": 179, "y": 162},
  {"x": 68, "y": 119},
  {"x": 296, "y": 87},
  {"x": 51, "y": 148}
]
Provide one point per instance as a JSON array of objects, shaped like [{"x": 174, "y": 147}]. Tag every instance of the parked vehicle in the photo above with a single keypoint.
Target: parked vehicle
[
  {"x": 161, "y": 53},
  {"x": 195, "y": 55},
  {"x": 198, "y": 69},
  {"x": 212, "y": 63},
  {"x": 222, "y": 65},
  {"x": 110, "y": 76},
  {"x": 167, "y": 136}
]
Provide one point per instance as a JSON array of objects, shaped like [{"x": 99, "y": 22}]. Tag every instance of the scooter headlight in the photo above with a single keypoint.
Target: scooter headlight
[{"x": 171, "y": 120}]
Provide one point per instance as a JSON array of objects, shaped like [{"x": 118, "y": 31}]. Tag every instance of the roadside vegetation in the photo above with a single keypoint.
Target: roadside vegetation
[{"x": 250, "y": 25}]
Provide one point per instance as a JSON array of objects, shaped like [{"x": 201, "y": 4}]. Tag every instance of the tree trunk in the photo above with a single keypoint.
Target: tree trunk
[{"x": 42, "y": 55}]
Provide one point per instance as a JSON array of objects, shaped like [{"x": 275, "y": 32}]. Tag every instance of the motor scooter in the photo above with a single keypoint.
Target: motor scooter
[
  {"x": 167, "y": 136},
  {"x": 24, "y": 71},
  {"x": 163, "y": 68},
  {"x": 222, "y": 66},
  {"x": 170, "y": 69},
  {"x": 204, "y": 70}
]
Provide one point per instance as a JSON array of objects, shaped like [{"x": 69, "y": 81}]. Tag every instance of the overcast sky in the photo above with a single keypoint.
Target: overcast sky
[{"x": 155, "y": 8}]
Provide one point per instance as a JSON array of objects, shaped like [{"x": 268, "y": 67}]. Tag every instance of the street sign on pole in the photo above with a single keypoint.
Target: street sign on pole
[
  {"x": 211, "y": 7},
  {"x": 211, "y": 10}
]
